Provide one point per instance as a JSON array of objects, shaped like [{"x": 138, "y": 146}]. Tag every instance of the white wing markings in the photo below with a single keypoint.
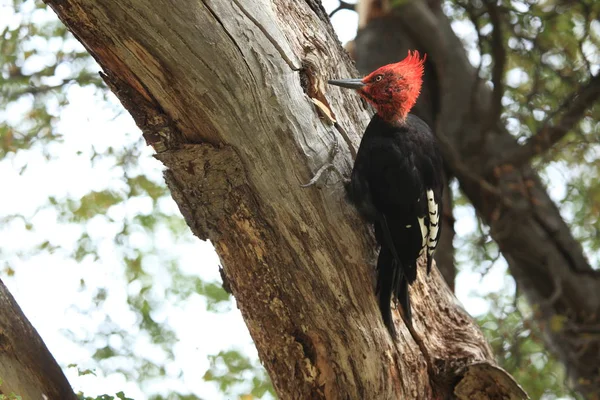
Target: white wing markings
[
  {"x": 434, "y": 223},
  {"x": 424, "y": 231}
]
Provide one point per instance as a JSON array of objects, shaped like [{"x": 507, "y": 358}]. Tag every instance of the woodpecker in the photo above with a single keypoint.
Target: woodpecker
[{"x": 396, "y": 181}]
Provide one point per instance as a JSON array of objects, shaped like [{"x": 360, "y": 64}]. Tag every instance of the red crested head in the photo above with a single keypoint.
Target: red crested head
[{"x": 394, "y": 88}]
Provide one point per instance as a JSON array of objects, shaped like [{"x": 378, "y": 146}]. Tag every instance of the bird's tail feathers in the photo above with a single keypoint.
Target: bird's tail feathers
[
  {"x": 429, "y": 260},
  {"x": 404, "y": 300},
  {"x": 388, "y": 275},
  {"x": 409, "y": 271}
]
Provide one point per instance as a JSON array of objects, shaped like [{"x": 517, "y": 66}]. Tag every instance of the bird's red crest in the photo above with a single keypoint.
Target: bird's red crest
[{"x": 394, "y": 88}]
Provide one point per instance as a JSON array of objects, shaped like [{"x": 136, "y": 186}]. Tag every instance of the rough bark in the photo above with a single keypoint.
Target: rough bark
[
  {"x": 231, "y": 95},
  {"x": 548, "y": 264},
  {"x": 27, "y": 368}
]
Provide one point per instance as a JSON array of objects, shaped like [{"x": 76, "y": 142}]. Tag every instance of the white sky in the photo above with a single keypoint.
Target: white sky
[{"x": 47, "y": 287}]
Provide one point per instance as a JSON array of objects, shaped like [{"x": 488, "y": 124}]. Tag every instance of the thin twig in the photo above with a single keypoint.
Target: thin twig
[
  {"x": 499, "y": 56},
  {"x": 586, "y": 34},
  {"x": 35, "y": 90},
  {"x": 574, "y": 110},
  {"x": 535, "y": 87},
  {"x": 474, "y": 104}
]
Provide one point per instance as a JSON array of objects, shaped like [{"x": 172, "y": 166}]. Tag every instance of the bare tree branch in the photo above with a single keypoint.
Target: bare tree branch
[
  {"x": 535, "y": 87},
  {"x": 585, "y": 36},
  {"x": 575, "y": 108}
]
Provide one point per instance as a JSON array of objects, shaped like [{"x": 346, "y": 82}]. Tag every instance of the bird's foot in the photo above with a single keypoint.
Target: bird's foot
[
  {"x": 329, "y": 166},
  {"x": 323, "y": 169}
]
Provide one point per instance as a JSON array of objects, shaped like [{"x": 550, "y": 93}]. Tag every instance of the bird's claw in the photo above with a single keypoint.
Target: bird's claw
[{"x": 328, "y": 166}]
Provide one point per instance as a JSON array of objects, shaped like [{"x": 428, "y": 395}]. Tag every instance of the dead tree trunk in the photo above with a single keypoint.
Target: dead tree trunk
[
  {"x": 231, "y": 95},
  {"x": 27, "y": 368}
]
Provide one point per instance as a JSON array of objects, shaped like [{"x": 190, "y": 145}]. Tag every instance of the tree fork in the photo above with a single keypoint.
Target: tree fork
[{"x": 216, "y": 87}]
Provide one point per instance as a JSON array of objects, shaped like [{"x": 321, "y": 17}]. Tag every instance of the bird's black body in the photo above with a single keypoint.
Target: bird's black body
[{"x": 397, "y": 185}]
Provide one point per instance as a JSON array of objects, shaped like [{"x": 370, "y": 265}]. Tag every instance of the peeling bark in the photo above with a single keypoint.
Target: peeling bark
[
  {"x": 231, "y": 95},
  {"x": 484, "y": 381},
  {"x": 27, "y": 368}
]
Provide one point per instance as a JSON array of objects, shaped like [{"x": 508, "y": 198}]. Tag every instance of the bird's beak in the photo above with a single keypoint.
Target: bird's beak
[{"x": 348, "y": 83}]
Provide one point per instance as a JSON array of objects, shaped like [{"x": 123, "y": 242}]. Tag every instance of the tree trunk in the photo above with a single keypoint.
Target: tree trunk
[
  {"x": 27, "y": 368},
  {"x": 231, "y": 95},
  {"x": 547, "y": 263}
]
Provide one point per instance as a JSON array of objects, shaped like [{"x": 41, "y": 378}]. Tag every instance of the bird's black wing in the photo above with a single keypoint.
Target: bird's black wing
[
  {"x": 386, "y": 188},
  {"x": 394, "y": 185},
  {"x": 398, "y": 194},
  {"x": 429, "y": 160}
]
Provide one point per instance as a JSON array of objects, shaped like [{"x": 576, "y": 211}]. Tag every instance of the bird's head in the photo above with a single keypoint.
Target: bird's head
[{"x": 392, "y": 89}]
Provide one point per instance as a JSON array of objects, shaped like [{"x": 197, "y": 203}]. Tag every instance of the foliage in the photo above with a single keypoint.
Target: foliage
[
  {"x": 10, "y": 396},
  {"x": 230, "y": 368},
  {"x": 119, "y": 395},
  {"x": 39, "y": 61},
  {"x": 551, "y": 49},
  {"x": 508, "y": 323},
  {"x": 519, "y": 348},
  {"x": 548, "y": 50}
]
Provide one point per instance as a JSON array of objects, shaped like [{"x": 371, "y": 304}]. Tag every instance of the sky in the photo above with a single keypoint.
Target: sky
[{"x": 47, "y": 286}]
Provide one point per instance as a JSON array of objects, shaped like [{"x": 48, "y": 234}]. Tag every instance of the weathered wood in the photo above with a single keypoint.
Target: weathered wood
[
  {"x": 483, "y": 381},
  {"x": 27, "y": 368},
  {"x": 225, "y": 91}
]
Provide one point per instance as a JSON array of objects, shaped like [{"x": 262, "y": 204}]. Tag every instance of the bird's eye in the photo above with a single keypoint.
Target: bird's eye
[{"x": 378, "y": 78}]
